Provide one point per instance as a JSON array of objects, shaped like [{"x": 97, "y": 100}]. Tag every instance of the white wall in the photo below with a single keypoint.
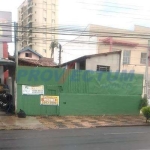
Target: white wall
[
  {"x": 22, "y": 55},
  {"x": 1, "y": 50},
  {"x": 111, "y": 60}
]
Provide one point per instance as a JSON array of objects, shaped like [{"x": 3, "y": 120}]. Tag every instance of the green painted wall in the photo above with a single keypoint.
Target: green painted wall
[{"x": 84, "y": 92}]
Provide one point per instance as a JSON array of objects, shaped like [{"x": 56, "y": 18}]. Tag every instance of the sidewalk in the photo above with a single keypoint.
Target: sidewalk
[
  {"x": 92, "y": 121},
  {"x": 11, "y": 122}
]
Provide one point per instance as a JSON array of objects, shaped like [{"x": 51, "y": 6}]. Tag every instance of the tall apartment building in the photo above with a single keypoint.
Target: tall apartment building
[{"x": 36, "y": 22}]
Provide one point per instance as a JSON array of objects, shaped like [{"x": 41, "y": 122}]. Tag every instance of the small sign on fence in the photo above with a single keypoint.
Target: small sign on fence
[
  {"x": 32, "y": 90},
  {"x": 50, "y": 100}
]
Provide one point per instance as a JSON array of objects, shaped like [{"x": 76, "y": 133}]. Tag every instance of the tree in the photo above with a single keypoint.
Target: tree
[{"x": 53, "y": 45}]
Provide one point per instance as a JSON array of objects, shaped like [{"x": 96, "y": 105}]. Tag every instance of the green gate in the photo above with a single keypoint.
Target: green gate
[
  {"x": 31, "y": 103},
  {"x": 52, "y": 90}
]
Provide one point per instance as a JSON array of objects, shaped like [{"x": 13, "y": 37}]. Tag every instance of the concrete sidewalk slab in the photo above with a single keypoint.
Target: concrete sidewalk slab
[{"x": 15, "y": 123}]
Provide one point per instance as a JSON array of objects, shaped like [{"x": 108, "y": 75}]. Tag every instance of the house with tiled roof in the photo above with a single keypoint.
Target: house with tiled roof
[
  {"x": 29, "y": 57},
  {"x": 28, "y": 53}
]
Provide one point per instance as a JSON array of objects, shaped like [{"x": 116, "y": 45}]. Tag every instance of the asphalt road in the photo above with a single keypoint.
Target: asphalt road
[{"x": 116, "y": 138}]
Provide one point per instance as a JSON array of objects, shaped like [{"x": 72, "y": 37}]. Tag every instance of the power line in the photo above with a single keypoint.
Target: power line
[
  {"x": 105, "y": 4},
  {"x": 64, "y": 40},
  {"x": 113, "y": 3},
  {"x": 66, "y": 28},
  {"x": 97, "y": 35},
  {"x": 74, "y": 30},
  {"x": 98, "y": 10}
]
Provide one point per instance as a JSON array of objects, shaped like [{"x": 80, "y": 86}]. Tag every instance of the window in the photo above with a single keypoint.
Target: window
[
  {"x": 126, "y": 56},
  {"x": 53, "y": 6},
  {"x": 35, "y": 4},
  {"x": 28, "y": 55},
  {"x": 44, "y": 27},
  {"x": 143, "y": 58},
  {"x": 35, "y": 12},
  {"x": 53, "y": 21},
  {"x": 44, "y": 5},
  {"x": 44, "y": 36},
  {"x": 103, "y": 68},
  {"x": 53, "y": 37},
  {"x": 44, "y": 50},
  {"x": 53, "y": 13},
  {"x": 44, "y": 13},
  {"x": 44, "y": 19}
]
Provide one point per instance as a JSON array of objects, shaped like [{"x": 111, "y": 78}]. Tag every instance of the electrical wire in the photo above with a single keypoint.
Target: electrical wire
[
  {"x": 113, "y": 3},
  {"x": 76, "y": 30},
  {"x": 98, "y": 10}
]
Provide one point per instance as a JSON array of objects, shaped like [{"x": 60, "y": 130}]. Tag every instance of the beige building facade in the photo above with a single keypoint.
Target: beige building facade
[
  {"x": 37, "y": 20},
  {"x": 133, "y": 45}
]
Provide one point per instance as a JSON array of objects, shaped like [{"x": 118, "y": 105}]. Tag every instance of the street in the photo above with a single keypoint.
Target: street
[{"x": 104, "y": 138}]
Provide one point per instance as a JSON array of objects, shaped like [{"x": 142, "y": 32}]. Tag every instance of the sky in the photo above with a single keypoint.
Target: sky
[{"x": 113, "y": 13}]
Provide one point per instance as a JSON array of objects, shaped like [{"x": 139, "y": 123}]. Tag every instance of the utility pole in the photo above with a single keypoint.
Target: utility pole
[
  {"x": 16, "y": 61},
  {"x": 15, "y": 42},
  {"x": 59, "y": 46}
]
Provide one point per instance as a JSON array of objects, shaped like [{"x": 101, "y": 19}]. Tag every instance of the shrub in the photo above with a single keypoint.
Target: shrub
[
  {"x": 143, "y": 103},
  {"x": 146, "y": 112}
]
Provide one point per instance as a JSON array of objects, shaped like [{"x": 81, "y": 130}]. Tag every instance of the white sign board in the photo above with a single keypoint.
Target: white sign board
[{"x": 32, "y": 90}]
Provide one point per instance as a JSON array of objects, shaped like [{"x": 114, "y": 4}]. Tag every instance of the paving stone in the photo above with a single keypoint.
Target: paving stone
[
  {"x": 78, "y": 125},
  {"x": 54, "y": 122}
]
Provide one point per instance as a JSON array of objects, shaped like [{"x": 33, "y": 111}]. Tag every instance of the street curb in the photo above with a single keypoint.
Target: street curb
[
  {"x": 124, "y": 125},
  {"x": 22, "y": 129},
  {"x": 76, "y": 128}
]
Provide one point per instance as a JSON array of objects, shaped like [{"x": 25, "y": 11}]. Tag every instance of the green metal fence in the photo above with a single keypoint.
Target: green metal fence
[{"x": 80, "y": 92}]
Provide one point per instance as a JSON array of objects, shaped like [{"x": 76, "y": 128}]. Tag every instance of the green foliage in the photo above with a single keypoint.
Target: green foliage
[
  {"x": 146, "y": 112},
  {"x": 143, "y": 103},
  {"x": 54, "y": 44}
]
